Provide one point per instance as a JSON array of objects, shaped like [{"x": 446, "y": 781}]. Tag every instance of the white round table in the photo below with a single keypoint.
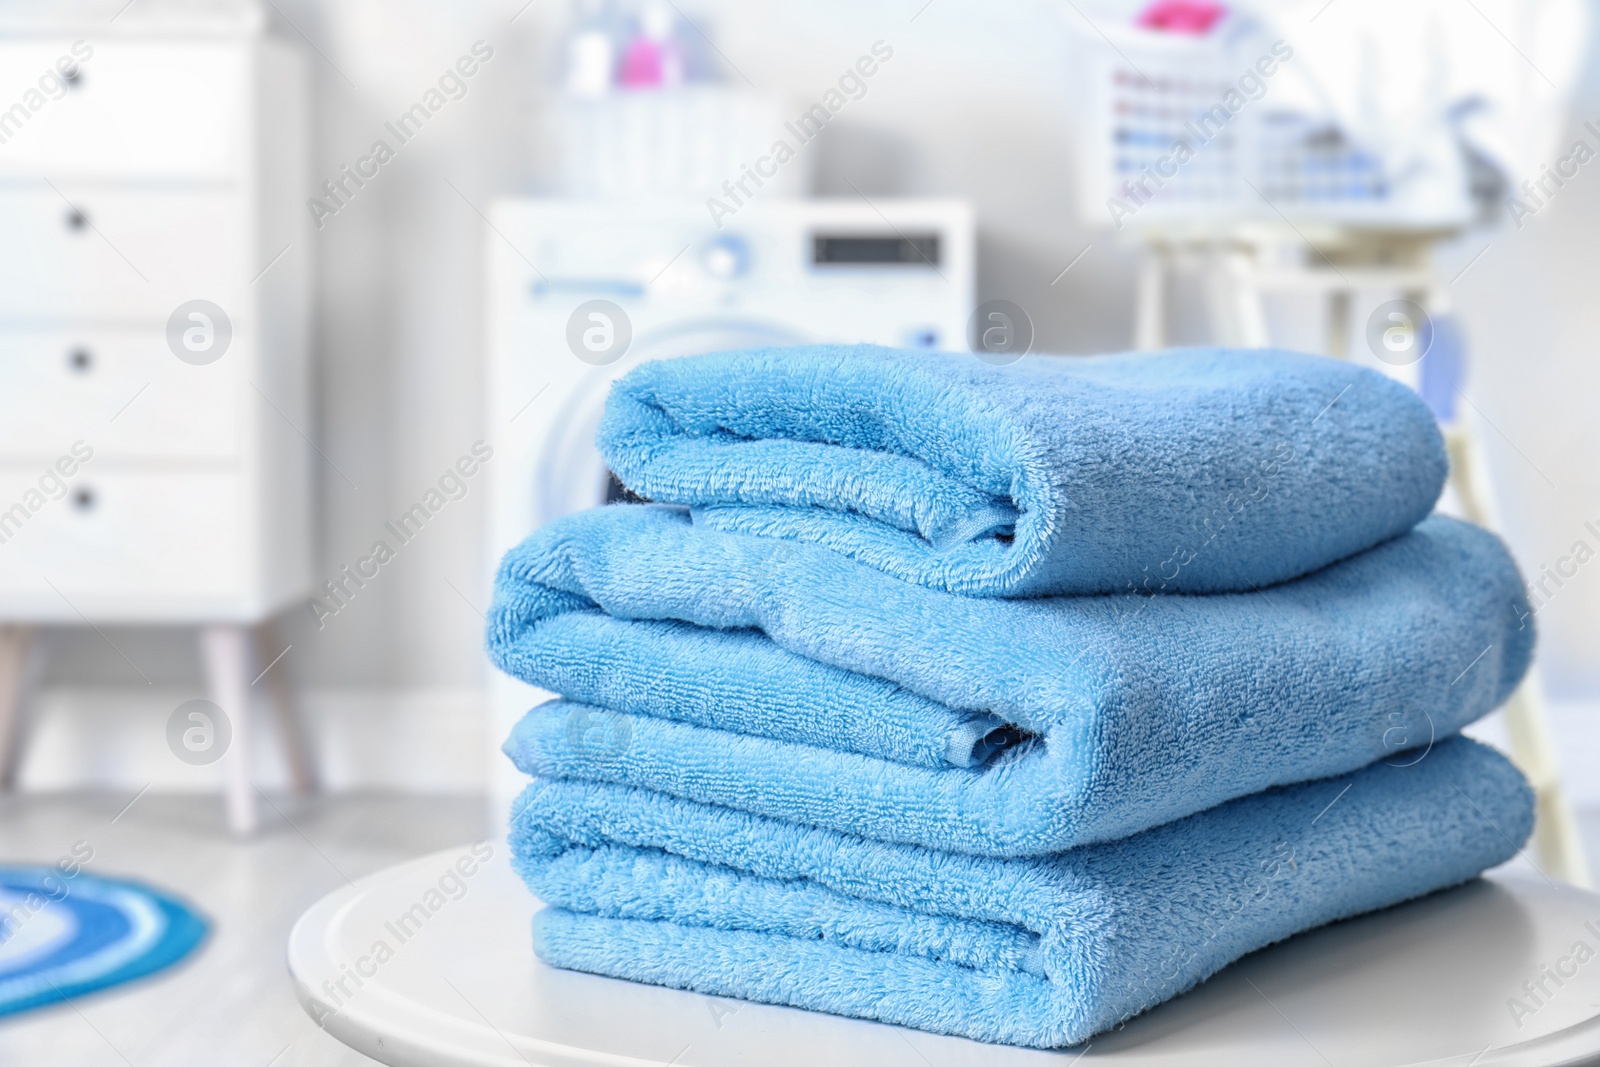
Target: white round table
[{"x": 423, "y": 964}]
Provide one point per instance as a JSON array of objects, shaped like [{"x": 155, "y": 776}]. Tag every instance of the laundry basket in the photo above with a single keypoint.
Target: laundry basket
[{"x": 1206, "y": 132}]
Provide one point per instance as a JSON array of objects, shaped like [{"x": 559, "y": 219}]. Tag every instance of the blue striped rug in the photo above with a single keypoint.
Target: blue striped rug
[{"x": 65, "y": 935}]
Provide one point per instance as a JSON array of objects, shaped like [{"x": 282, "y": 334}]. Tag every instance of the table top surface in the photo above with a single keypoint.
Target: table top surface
[{"x": 418, "y": 964}]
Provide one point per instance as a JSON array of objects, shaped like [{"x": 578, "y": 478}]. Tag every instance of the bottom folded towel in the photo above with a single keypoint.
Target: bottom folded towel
[{"x": 1042, "y": 952}]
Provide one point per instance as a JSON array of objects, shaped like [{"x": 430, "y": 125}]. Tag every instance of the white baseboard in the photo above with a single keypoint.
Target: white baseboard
[{"x": 420, "y": 741}]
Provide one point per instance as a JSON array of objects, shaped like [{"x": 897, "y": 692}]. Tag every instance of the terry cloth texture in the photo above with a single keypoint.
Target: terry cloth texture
[
  {"x": 1195, "y": 470},
  {"x": 1043, "y": 952},
  {"x": 781, "y": 678}
]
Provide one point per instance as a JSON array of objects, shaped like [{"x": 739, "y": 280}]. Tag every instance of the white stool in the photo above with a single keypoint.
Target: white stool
[{"x": 1239, "y": 270}]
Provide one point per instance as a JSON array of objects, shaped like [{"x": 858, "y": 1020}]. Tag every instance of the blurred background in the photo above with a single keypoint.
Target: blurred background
[{"x": 282, "y": 283}]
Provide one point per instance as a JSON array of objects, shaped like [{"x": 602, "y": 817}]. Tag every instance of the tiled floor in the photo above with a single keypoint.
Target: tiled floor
[{"x": 232, "y": 1003}]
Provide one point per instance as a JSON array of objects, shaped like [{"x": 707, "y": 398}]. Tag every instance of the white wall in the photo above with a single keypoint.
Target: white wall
[{"x": 974, "y": 103}]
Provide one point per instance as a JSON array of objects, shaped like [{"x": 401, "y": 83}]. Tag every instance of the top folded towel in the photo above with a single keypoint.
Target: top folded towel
[{"x": 1194, "y": 470}]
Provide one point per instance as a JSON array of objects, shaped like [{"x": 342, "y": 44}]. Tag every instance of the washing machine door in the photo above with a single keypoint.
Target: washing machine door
[{"x": 570, "y": 475}]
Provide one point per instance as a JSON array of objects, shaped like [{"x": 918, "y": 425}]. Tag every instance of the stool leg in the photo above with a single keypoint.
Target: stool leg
[
  {"x": 1250, "y": 313},
  {"x": 1233, "y": 298},
  {"x": 1338, "y": 339},
  {"x": 14, "y": 642},
  {"x": 1556, "y": 839},
  {"x": 1149, "y": 323},
  {"x": 1555, "y": 833},
  {"x": 226, "y": 652}
]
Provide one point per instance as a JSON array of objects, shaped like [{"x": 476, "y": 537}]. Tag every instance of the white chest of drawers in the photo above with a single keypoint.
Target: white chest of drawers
[
  {"x": 165, "y": 170},
  {"x": 144, "y": 167}
]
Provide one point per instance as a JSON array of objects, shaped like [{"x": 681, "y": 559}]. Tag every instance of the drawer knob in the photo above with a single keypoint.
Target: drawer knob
[
  {"x": 73, "y": 76},
  {"x": 83, "y": 498},
  {"x": 80, "y": 360},
  {"x": 76, "y": 220}
]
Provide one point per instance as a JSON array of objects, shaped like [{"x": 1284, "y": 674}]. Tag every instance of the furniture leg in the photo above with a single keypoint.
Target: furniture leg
[
  {"x": 1555, "y": 834},
  {"x": 1338, "y": 338},
  {"x": 1249, "y": 311},
  {"x": 226, "y": 652},
  {"x": 286, "y": 709},
  {"x": 1149, "y": 331},
  {"x": 14, "y": 643},
  {"x": 33, "y": 665},
  {"x": 1234, "y": 299},
  {"x": 1555, "y": 830}
]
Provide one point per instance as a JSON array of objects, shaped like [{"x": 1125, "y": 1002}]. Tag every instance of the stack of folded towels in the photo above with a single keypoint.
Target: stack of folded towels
[{"x": 1005, "y": 702}]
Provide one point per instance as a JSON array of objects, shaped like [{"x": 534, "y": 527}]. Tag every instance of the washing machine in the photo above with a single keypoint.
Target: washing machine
[{"x": 580, "y": 292}]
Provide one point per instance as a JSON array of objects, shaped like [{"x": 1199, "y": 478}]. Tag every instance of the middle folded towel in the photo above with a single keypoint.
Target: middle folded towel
[{"x": 783, "y": 679}]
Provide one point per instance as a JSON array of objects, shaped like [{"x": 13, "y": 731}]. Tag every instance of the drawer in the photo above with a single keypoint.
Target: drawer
[
  {"x": 134, "y": 110},
  {"x": 106, "y": 253},
  {"x": 119, "y": 541},
  {"x": 124, "y": 393}
]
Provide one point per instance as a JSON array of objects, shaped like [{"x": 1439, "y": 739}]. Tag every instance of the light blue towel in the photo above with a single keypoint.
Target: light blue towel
[
  {"x": 1199, "y": 470},
  {"x": 784, "y": 679},
  {"x": 1043, "y": 952}
]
